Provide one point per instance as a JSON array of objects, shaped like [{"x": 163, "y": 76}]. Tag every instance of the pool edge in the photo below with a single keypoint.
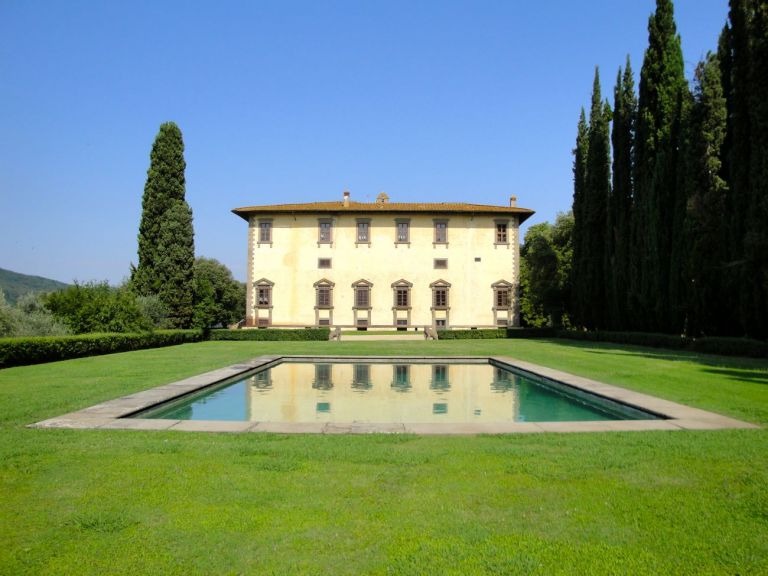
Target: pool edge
[{"x": 114, "y": 414}]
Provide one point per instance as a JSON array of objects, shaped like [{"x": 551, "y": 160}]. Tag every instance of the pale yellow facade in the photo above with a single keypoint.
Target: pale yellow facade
[{"x": 292, "y": 256}]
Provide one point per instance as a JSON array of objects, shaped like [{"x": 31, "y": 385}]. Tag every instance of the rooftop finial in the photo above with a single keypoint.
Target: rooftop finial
[{"x": 382, "y": 198}]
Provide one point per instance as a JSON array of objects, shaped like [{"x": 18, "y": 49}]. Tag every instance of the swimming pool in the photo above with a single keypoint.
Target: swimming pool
[{"x": 403, "y": 391}]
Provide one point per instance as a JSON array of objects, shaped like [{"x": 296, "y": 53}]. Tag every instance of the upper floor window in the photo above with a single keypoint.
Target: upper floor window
[
  {"x": 324, "y": 231},
  {"x": 502, "y": 236},
  {"x": 265, "y": 231},
  {"x": 403, "y": 231},
  {"x": 264, "y": 293},
  {"x": 402, "y": 294},
  {"x": 441, "y": 231},
  {"x": 323, "y": 262},
  {"x": 363, "y": 231}
]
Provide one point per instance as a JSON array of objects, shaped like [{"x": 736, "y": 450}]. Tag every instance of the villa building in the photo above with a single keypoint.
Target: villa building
[{"x": 383, "y": 264}]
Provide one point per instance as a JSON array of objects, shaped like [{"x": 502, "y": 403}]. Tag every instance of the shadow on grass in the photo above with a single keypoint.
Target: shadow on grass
[{"x": 751, "y": 369}]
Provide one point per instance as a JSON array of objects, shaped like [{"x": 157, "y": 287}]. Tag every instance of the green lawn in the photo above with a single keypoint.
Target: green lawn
[{"x": 125, "y": 502}]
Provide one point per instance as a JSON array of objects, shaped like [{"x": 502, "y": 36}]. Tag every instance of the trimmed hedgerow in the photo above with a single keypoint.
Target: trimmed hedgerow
[
  {"x": 708, "y": 345},
  {"x": 482, "y": 334},
  {"x": 731, "y": 346},
  {"x": 649, "y": 339},
  {"x": 35, "y": 350},
  {"x": 302, "y": 334}
]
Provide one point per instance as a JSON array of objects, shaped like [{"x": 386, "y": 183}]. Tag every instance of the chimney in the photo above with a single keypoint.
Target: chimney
[
  {"x": 346, "y": 198},
  {"x": 512, "y": 201},
  {"x": 382, "y": 198}
]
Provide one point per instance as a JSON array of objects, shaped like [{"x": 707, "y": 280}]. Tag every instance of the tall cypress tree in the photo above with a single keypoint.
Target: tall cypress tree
[
  {"x": 661, "y": 96},
  {"x": 705, "y": 225},
  {"x": 620, "y": 201},
  {"x": 595, "y": 215},
  {"x": 176, "y": 249},
  {"x": 578, "y": 291},
  {"x": 755, "y": 300},
  {"x": 166, "y": 243}
]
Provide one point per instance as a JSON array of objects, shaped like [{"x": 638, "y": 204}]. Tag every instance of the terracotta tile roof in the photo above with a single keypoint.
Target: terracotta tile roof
[{"x": 384, "y": 207}]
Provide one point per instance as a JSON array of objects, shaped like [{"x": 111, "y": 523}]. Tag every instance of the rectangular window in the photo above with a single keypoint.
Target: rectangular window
[
  {"x": 439, "y": 375},
  {"x": 502, "y": 298},
  {"x": 440, "y": 323},
  {"x": 441, "y": 263},
  {"x": 362, "y": 322},
  {"x": 441, "y": 232},
  {"x": 441, "y": 297},
  {"x": 501, "y": 233},
  {"x": 323, "y": 262},
  {"x": 361, "y": 375},
  {"x": 362, "y": 297},
  {"x": 324, "y": 322},
  {"x": 323, "y": 378},
  {"x": 324, "y": 297},
  {"x": 402, "y": 324},
  {"x": 402, "y": 375},
  {"x": 264, "y": 296},
  {"x": 263, "y": 322},
  {"x": 324, "y": 232},
  {"x": 363, "y": 232},
  {"x": 401, "y": 297},
  {"x": 265, "y": 232},
  {"x": 403, "y": 232}
]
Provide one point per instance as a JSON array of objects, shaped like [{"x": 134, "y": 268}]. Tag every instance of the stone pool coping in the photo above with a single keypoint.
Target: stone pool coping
[{"x": 112, "y": 413}]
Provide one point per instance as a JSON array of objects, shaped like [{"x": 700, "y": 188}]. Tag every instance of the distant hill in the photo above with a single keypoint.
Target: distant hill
[{"x": 14, "y": 284}]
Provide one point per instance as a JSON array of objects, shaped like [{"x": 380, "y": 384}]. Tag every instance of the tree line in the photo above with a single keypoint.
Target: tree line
[{"x": 670, "y": 199}]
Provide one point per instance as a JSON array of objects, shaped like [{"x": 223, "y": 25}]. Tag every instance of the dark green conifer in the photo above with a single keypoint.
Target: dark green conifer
[
  {"x": 705, "y": 225},
  {"x": 166, "y": 238},
  {"x": 591, "y": 271},
  {"x": 662, "y": 94},
  {"x": 578, "y": 291},
  {"x": 620, "y": 200}
]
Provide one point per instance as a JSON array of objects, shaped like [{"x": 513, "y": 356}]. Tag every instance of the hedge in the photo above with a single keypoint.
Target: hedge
[
  {"x": 731, "y": 346},
  {"x": 472, "y": 334},
  {"x": 708, "y": 344},
  {"x": 649, "y": 339},
  {"x": 302, "y": 334},
  {"x": 34, "y": 350}
]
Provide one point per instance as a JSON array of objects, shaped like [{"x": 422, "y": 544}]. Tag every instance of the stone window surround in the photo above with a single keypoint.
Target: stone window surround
[
  {"x": 436, "y": 226},
  {"x": 405, "y": 225},
  {"x": 366, "y": 222},
  {"x": 497, "y": 233},
  {"x": 264, "y": 225},
  {"x": 324, "y": 224}
]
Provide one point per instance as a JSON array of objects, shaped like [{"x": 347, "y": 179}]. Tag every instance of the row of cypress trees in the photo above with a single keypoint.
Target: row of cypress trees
[{"x": 671, "y": 230}]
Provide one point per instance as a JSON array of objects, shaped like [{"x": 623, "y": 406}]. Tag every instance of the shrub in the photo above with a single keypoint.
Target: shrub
[
  {"x": 271, "y": 334},
  {"x": 96, "y": 307},
  {"x": 34, "y": 350}
]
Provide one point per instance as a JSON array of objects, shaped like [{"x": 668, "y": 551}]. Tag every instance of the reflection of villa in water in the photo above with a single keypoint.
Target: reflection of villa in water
[{"x": 330, "y": 392}]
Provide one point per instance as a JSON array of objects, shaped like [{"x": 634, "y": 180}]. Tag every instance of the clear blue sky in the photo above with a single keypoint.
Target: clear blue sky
[{"x": 294, "y": 102}]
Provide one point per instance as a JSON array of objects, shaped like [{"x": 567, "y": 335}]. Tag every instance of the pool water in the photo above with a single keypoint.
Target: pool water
[{"x": 392, "y": 393}]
